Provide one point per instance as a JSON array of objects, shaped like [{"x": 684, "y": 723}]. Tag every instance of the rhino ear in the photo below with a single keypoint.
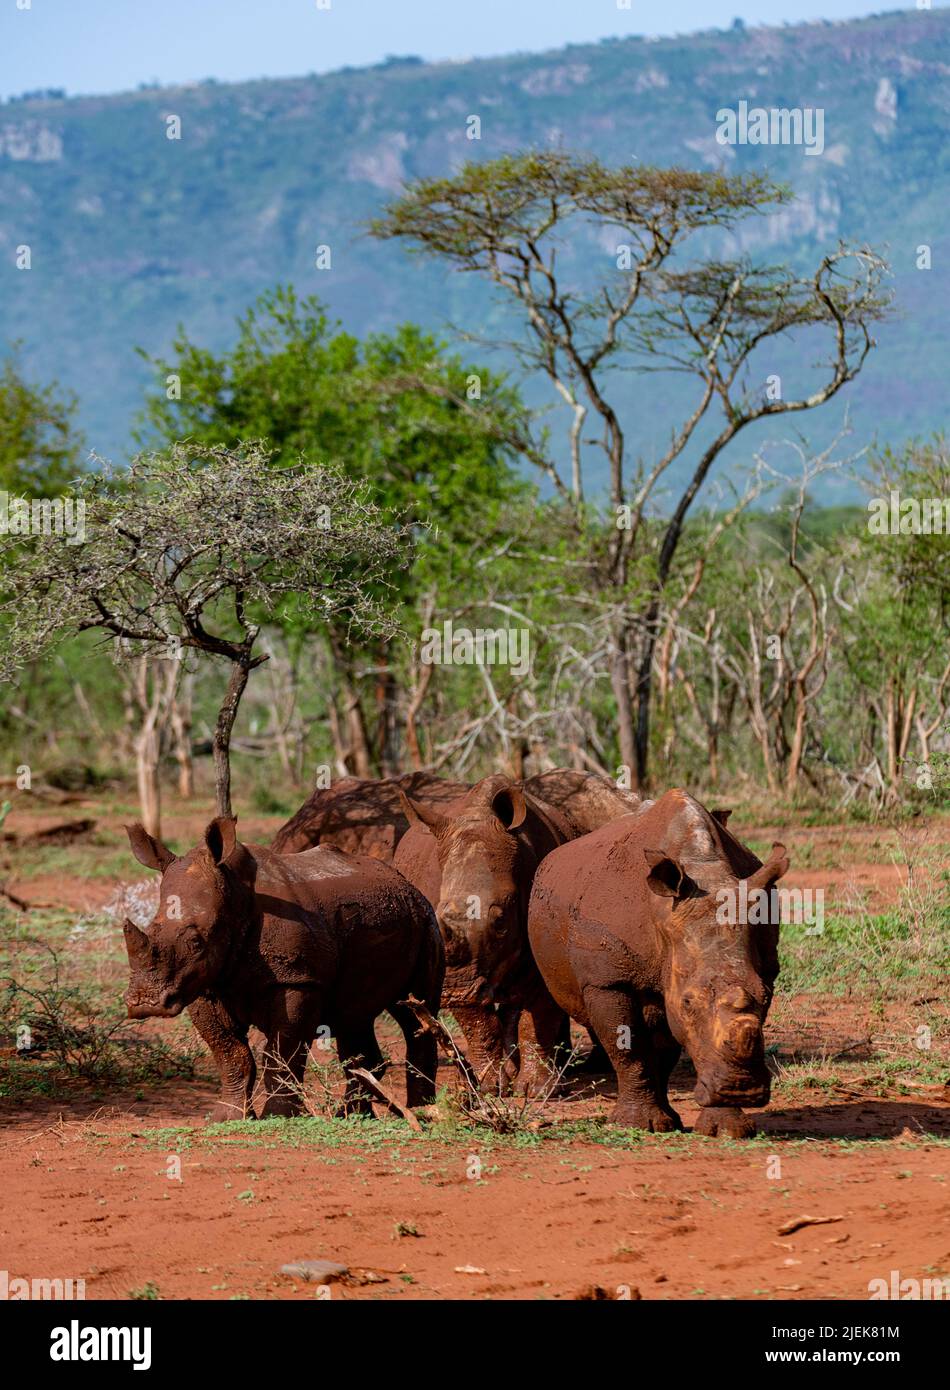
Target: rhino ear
[
  {"x": 721, "y": 816},
  {"x": 147, "y": 850},
  {"x": 221, "y": 837},
  {"x": 772, "y": 870},
  {"x": 423, "y": 816},
  {"x": 667, "y": 878},
  {"x": 510, "y": 806}
]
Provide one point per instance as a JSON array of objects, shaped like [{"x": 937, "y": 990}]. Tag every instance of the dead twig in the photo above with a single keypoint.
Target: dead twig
[
  {"x": 379, "y": 1090},
  {"x": 431, "y": 1024},
  {"x": 788, "y": 1227}
]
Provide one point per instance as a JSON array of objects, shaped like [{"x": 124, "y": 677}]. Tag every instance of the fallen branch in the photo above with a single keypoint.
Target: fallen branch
[
  {"x": 788, "y": 1227},
  {"x": 20, "y": 903},
  {"x": 379, "y": 1090}
]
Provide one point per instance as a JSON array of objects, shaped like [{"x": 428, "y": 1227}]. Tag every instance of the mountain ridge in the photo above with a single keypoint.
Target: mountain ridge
[{"x": 131, "y": 233}]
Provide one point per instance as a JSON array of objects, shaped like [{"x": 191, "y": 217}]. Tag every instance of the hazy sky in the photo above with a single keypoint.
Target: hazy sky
[{"x": 112, "y": 45}]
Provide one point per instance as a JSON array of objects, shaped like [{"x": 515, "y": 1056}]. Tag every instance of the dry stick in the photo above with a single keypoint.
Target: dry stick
[
  {"x": 788, "y": 1227},
  {"x": 431, "y": 1024},
  {"x": 379, "y": 1090},
  {"x": 20, "y": 903}
]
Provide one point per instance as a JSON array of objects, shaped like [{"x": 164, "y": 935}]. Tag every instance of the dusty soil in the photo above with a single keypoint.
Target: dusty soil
[
  {"x": 87, "y": 1192},
  {"x": 91, "y": 1198}
]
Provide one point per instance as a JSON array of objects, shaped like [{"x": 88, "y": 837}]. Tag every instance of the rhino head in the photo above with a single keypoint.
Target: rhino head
[
  {"x": 484, "y": 877},
  {"x": 184, "y": 948},
  {"x": 721, "y": 962}
]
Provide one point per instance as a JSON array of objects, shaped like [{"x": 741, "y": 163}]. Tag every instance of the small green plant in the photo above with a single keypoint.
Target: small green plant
[{"x": 148, "y": 1293}]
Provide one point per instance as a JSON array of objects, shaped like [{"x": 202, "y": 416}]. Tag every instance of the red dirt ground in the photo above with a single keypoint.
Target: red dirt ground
[{"x": 91, "y": 1199}]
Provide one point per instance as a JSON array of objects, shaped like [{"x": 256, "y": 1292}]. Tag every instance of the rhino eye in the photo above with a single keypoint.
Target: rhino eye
[{"x": 194, "y": 943}]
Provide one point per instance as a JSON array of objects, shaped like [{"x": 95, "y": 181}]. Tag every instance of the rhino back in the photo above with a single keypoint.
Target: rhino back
[
  {"x": 586, "y": 799},
  {"x": 329, "y": 918},
  {"x": 600, "y": 880},
  {"x": 362, "y": 815}
]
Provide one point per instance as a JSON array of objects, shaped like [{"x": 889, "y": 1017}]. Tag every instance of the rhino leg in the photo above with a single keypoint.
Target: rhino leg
[
  {"x": 422, "y": 1057},
  {"x": 227, "y": 1043},
  {"x": 486, "y": 1043},
  {"x": 642, "y": 1074},
  {"x": 358, "y": 1046},
  {"x": 596, "y": 1062},
  {"x": 541, "y": 1028},
  {"x": 724, "y": 1121},
  {"x": 295, "y": 1017}
]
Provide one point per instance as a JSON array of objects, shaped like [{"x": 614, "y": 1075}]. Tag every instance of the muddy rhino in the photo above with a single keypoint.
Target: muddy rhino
[
  {"x": 475, "y": 862},
  {"x": 246, "y": 937},
  {"x": 470, "y": 850},
  {"x": 363, "y": 815},
  {"x": 586, "y": 799},
  {"x": 650, "y": 932}
]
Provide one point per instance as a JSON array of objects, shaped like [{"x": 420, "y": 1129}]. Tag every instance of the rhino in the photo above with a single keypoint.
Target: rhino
[
  {"x": 585, "y": 799},
  {"x": 475, "y": 863},
  {"x": 363, "y": 815},
  {"x": 287, "y": 944},
  {"x": 466, "y": 850},
  {"x": 641, "y": 931}
]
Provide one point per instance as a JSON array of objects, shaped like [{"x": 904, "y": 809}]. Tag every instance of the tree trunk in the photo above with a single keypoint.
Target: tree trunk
[
  {"x": 797, "y": 751},
  {"x": 356, "y": 729},
  {"x": 358, "y": 745},
  {"x": 386, "y": 700},
  {"x": 620, "y": 685},
  {"x": 181, "y": 731},
  {"x": 644, "y": 698},
  {"x": 412, "y": 714},
  {"x": 221, "y": 742},
  {"x": 147, "y": 759}
]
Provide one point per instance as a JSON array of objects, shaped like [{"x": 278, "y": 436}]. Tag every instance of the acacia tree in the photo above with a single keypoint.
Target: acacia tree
[
  {"x": 192, "y": 551},
  {"x": 520, "y": 219}
]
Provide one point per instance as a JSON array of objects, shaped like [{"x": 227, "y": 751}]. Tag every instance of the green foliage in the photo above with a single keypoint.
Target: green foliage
[
  {"x": 199, "y": 534},
  {"x": 393, "y": 411},
  {"x": 40, "y": 446},
  {"x": 76, "y": 1030}
]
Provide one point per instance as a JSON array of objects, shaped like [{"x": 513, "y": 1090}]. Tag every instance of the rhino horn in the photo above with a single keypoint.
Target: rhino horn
[
  {"x": 135, "y": 939},
  {"x": 774, "y": 867}
]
